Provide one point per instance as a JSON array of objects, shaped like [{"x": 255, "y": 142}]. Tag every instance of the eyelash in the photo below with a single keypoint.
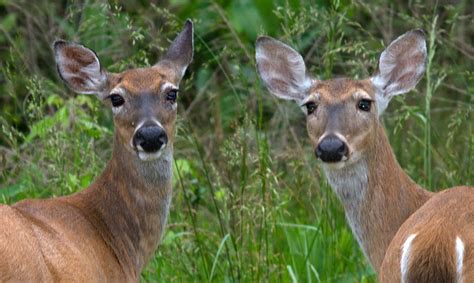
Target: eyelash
[
  {"x": 364, "y": 105},
  {"x": 117, "y": 100},
  {"x": 172, "y": 95},
  {"x": 311, "y": 107}
]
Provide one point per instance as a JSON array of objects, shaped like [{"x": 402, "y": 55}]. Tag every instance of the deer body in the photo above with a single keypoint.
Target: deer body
[
  {"x": 109, "y": 231},
  {"x": 399, "y": 226},
  {"x": 436, "y": 243},
  {"x": 376, "y": 199},
  {"x": 106, "y": 232}
]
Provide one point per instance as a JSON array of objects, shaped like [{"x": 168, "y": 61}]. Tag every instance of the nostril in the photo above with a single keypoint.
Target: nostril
[
  {"x": 163, "y": 138},
  {"x": 331, "y": 149},
  {"x": 138, "y": 139},
  {"x": 319, "y": 151},
  {"x": 342, "y": 150},
  {"x": 150, "y": 139}
]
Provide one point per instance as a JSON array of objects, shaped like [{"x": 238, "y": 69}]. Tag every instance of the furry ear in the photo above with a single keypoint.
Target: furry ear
[
  {"x": 180, "y": 53},
  {"x": 282, "y": 69},
  {"x": 79, "y": 67},
  {"x": 401, "y": 66}
]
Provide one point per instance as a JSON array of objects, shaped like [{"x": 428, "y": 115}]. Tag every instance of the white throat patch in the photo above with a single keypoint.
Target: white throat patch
[
  {"x": 350, "y": 185},
  {"x": 158, "y": 170},
  {"x": 349, "y": 182}
]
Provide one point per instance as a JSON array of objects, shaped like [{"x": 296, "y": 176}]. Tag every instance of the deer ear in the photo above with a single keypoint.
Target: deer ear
[
  {"x": 79, "y": 67},
  {"x": 180, "y": 53},
  {"x": 282, "y": 69},
  {"x": 401, "y": 66}
]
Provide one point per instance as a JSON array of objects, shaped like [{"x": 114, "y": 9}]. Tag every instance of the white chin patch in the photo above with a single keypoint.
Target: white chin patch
[
  {"x": 337, "y": 165},
  {"x": 150, "y": 156}
]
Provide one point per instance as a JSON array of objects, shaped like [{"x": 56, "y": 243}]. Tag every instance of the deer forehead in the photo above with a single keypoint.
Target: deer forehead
[
  {"x": 144, "y": 80},
  {"x": 342, "y": 89}
]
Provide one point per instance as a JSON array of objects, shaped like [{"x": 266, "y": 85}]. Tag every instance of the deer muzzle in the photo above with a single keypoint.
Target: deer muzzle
[
  {"x": 149, "y": 140},
  {"x": 331, "y": 149}
]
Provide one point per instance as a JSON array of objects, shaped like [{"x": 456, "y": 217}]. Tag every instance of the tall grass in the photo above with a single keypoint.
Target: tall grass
[
  {"x": 250, "y": 203},
  {"x": 429, "y": 94}
]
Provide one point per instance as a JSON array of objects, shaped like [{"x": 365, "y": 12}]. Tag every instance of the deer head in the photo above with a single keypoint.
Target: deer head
[
  {"x": 143, "y": 100},
  {"x": 342, "y": 113}
]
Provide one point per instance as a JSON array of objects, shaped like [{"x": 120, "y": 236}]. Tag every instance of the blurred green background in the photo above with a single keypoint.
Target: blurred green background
[{"x": 250, "y": 203}]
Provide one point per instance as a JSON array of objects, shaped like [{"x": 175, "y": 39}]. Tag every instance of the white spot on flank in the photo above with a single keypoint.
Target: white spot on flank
[
  {"x": 405, "y": 254},
  {"x": 459, "y": 258}
]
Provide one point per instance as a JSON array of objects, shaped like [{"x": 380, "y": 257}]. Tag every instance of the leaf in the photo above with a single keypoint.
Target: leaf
[
  {"x": 40, "y": 128},
  {"x": 11, "y": 191},
  {"x": 72, "y": 181},
  {"x": 92, "y": 129},
  {"x": 43, "y": 126},
  {"x": 55, "y": 100},
  {"x": 8, "y": 22}
]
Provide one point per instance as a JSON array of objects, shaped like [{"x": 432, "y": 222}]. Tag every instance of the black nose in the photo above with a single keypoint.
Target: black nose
[
  {"x": 150, "y": 138},
  {"x": 331, "y": 149}
]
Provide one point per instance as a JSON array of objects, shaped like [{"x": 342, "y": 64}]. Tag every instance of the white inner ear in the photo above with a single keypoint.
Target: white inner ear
[
  {"x": 91, "y": 74},
  {"x": 394, "y": 65},
  {"x": 183, "y": 70},
  {"x": 301, "y": 82},
  {"x": 381, "y": 99},
  {"x": 292, "y": 83}
]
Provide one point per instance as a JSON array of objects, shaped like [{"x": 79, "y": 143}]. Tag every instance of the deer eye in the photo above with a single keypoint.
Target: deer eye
[
  {"x": 364, "y": 105},
  {"x": 172, "y": 95},
  {"x": 117, "y": 100},
  {"x": 310, "y": 107}
]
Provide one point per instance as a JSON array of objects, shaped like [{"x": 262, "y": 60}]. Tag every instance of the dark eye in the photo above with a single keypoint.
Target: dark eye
[
  {"x": 364, "y": 105},
  {"x": 172, "y": 95},
  {"x": 310, "y": 107},
  {"x": 117, "y": 100}
]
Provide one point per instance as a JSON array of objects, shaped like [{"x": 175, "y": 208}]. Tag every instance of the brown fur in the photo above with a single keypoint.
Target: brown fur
[
  {"x": 106, "y": 232},
  {"x": 109, "y": 231},
  {"x": 447, "y": 215},
  {"x": 383, "y": 205},
  {"x": 391, "y": 196}
]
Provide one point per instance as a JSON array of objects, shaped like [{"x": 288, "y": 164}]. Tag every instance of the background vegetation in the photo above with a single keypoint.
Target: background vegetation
[{"x": 250, "y": 202}]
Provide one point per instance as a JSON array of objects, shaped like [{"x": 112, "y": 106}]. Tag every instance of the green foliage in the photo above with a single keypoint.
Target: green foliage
[{"x": 250, "y": 203}]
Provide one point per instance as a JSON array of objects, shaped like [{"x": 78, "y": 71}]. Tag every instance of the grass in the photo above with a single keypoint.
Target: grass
[{"x": 250, "y": 203}]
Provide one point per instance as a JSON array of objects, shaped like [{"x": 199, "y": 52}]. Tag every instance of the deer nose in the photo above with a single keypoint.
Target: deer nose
[
  {"x": 331, "y": 149},
  {"x": 150, "y": 138}
]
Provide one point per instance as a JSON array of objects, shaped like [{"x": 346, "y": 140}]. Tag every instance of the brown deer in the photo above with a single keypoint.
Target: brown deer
[
  {"x": 109, "y": 231},
  {"x": 423, "y": 236}
]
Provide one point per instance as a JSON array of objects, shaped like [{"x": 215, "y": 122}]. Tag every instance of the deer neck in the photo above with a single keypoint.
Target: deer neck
[
  {"x": 128, "y": 205},
  {"x": 377, "y": 195}
]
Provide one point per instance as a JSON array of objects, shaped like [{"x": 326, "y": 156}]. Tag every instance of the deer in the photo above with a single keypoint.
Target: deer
[
  {"x": 110, "y": 230},
  {"x": 408, "y": 234}
]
